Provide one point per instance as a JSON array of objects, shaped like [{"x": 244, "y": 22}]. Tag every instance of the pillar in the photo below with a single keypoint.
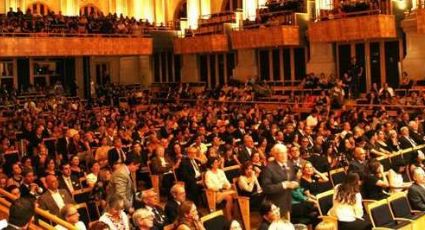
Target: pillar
[
  {"x": 160, "y": 12},
  {"x": 246, "y": 67},
  {"x": 147, "y": 10},
  {"x": 190, "y": 68},
  {"x": 145, "y": 70},
  {"x": 415, "y": 55},
  {"x": 206, "y": 8},
  {"x": 249, "y": 9},
  {"x": 193, "y": 13},
  {"x": 79, "y": 75},
  {"x": 321, "y": 59}
]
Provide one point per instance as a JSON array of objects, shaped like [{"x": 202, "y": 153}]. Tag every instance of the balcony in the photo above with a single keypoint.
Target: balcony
[
  {"x": 201, "y": 44},
  {"x": 45, "y": 45},
  {"x": 353, "y": 26},
  {"x": 415, "y": 22}
]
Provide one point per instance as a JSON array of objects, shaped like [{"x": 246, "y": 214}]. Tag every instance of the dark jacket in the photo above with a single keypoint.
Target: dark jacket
[{"x": 416, "y": 195}]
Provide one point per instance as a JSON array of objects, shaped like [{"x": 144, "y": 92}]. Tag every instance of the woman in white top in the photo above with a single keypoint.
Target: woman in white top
[
  {"x": 248, "y": 186},
  {"x": 216, "y": 180},
  {"x": 91, "y": 178},
  {"x": 114, "y": 215},
  {"x": 397, "y": 177},
  {"x": 347, "y": 204}
]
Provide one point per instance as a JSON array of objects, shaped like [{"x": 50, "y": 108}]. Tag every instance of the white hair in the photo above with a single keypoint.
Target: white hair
[
  {"x": 278, "y": 148},
  {"x": 281, "y": 225},
  {"x": 140, "y": 214}
]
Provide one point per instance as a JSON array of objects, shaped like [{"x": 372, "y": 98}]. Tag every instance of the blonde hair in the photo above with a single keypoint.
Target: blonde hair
[{"x": 326, "y": 225}]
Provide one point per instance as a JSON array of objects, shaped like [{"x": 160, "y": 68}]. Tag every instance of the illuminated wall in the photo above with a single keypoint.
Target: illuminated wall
[
  {"x": 249, "y": 9},
  {"x": 160, "y": 12},
  {"x": 193, "y": 13},
  {"x": 147, "y": 10},
  {"x": 205, "y": 8}
]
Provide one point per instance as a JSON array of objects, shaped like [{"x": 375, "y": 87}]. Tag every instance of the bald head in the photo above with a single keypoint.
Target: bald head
[
  {"x": 419, "y": 176},
  {"x": 52, "y": 182}
]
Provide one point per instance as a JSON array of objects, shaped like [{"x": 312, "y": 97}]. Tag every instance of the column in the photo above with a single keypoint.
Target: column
[
  {"x": 206, "y": 8},
  {"x": 321, "y": 59},
  {"x": 148, "y": 10},
  {"x": 159, "y": 12},
  {"x": 249, "y": 9},
  {"x": 382, "y": 62},
  {"x": 193, "y": 13},
  {"x": 367, "y": 66},
  {"x": 145, "y": 70},
  {"x": 190, "y": 68},
  {"x": 79, "y": 75},
  {"x": 246, "y": 67},
  {"x": 415, "y": 55}
]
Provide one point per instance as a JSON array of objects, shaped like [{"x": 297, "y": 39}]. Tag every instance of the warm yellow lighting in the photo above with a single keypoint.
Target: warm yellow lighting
[
  {"x": 249, "y": 9},
  {"x": 159, "y": 12},
  {"x": 205, "y": 9},
  {"x": 137, "y": 9},
  {"x": 414, "y": 4},
  {"x": 193, "y": 13},
  {"x": 402, "y": 4},
  {"x": 262, "y": 3},
  {"x": 147, "y": 10}
]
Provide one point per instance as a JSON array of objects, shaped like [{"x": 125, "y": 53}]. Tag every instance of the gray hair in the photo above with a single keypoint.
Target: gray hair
[{"x": 141, "y": 214}]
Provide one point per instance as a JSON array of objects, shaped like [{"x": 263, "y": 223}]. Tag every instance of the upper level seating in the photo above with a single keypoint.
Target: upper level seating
[
  {"x": 350, "y": 8},
  {"x": 214, "y": 24},
  {"x": 18, "y": 24}
]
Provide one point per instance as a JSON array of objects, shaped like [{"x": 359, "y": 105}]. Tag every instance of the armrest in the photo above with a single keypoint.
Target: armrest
[
  {"x": 403, "y": 219},
  {"x": 328, "y": 218}
]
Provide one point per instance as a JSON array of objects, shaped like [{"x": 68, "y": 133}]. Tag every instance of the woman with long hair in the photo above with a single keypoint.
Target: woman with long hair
[
  {"x": 188, "y": 218},
  {"x": 347, "y": 204}
]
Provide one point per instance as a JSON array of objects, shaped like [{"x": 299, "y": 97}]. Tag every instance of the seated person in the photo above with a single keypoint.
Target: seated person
[
  {"x": 397, "y": 177},
  {"x": 143, "y": 219},
  {"x": 216, "y": 180},
  {"x": 188, "y": 218},
  {"x": 248, "y": 186},
  {"x": 70, "y": 214},
  {"x": 269, "y": 213},
  {"x": 150, "y": 201},
  {"x": 375, "y": 182},
  {"x": 416, "y": 193},
  {"x": 347, "y": 204},
  {"x": 178, "y": 196},
  {"x": 162, "y": 165},
  {"x": 303, "y": 208},
  {"x": 54, "y": 199},
  {"x": 313, "y": 181}
]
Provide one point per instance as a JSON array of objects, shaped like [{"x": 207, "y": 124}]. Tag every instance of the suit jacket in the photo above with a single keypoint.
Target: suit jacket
[
  {"x": 357, "y": 167},
  {"x": 75, "y": 183},
  {"x": 171, "y": 210},
  {"x": 47, "y": 202},
  {"x": 122, "y": 184},
  {"x": 416, "y": 195},
  {"x": 405, "y": 143},
  {"x": 272, "y": 177},
  {"x": 160, "y": 219},
  {"x": 418, "y": 137},
  {"x": 244, "y": 155},
  {"x": 157, "y": 167},
  {"x": 186, "y": 173},
  {"x": 62, "y": 147}
]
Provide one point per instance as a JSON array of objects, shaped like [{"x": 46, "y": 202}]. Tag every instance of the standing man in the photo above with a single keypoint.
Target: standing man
[
  {"x": 279, "y": 179},
  {"x": 356, "y": 72},
  {"x": 122, "y": 182}
]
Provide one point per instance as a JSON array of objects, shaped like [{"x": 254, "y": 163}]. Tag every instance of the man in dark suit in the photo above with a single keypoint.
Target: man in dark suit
[
  {"x": 150, "y": 201},
  {"x": 68, "y": 181},
  {"x": 29, "y": 188},
  {"x": 54, "y": 199},
  {"x": 358, "y": 165},
  {"x": 407, "y": 142},
  {"x": 171, "y": 209},
  {"x": 247, "y": 149},
  {"x": 417, "y": 136},
  {"x": 116, "y": 155},
  {"x": 190, "y": 173},
  {"x": 279, "y": 179},
  {"x": 62, "y": 145},
  {"x": 416, "y": 192},
  {"x": 21, "y": 214}
]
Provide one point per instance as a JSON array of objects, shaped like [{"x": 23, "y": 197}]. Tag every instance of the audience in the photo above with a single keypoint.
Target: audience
[
  {"x": 178, "y": 196},
  {"x": 70, "y": 214},
  {"x": 114, "y": 215},
  {"x": 269, "y": 213},
  {"x": 143, "y": 219},
  {"x": 416, "y": 192},
  {"x": 188, "y": 218},
  {"x": 54, "y": 199},
  {"x": 21, "y": 214}
]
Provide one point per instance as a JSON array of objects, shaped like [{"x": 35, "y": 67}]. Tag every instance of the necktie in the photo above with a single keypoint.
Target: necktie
[{"x": 70, "y": 187}]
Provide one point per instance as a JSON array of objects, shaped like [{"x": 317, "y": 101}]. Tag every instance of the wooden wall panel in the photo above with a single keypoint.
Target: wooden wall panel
[
  {"x": 420, "y": 20},
  {"x": 75, "y": 46},
  {"x": 353, "y": 28},
  {"x": 266, "y": 37},
  {"x": 201, "y": 44}
]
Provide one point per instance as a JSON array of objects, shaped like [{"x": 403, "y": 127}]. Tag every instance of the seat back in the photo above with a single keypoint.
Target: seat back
[
  {"x": 380, "y": 213},
  {"x": 84, "y": 213},
  {"x": 325, "y": 201},
  {"x": 337, "y": 176},
  {"x": 385, "y": 161},
  {"x": 399, "y": 205},
  {"x": 214, "y": 221},
  {"x": 232, "y": 172}
]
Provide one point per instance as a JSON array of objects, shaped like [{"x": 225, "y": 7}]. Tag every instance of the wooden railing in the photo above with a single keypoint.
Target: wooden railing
[
  {"x": 355, "y": 9},
  {"x": 39, "y": 212}
]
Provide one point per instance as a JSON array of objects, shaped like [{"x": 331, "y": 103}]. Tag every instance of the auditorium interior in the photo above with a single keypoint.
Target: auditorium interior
[{"x": 261, "y": 114}]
